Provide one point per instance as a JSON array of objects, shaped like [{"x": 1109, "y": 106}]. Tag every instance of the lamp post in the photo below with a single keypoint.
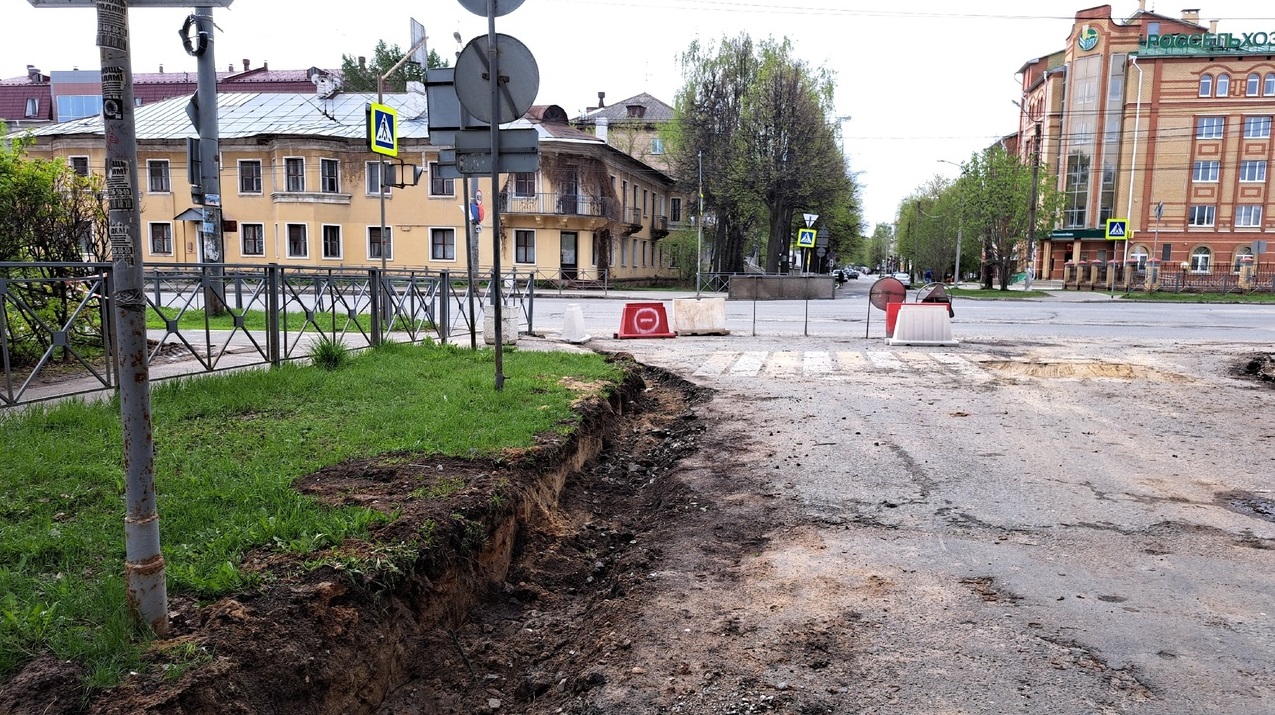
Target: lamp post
[{"x": 960, "y": 225}]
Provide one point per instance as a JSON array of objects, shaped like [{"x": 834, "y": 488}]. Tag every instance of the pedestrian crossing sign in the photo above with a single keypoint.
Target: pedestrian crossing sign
[
  {"x": 1117, "y": 229},
  {"x": 806, "y": 237},
  {"x": 382, "y": 130}
]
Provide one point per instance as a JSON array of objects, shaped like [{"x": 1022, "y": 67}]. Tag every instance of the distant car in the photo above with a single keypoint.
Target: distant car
[
  {"x": 851, "y": 273},
  {"x": 904, "y": 278}
]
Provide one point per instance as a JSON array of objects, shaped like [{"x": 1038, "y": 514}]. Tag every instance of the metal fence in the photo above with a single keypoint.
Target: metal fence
[{"x": 56, "y": 335}]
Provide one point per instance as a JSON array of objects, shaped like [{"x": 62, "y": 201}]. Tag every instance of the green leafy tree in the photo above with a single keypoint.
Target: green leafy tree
[
  {"x": 876, "y": 251},
  {"x": 995, "y": 195},
  {"x": 759, "y": 121},
  {"x": 359, "y": 76}
]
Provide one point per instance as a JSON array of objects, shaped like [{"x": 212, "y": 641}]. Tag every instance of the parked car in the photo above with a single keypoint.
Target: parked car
[
  {"x": 851, "y": 273},
  {"x": 905, "y": 278}
]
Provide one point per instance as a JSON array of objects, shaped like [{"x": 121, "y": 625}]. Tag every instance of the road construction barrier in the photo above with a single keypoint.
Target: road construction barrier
[
  {"x": 918, "y": 324},
  {"x": 700, "y": 316},
  {"x": 573, "y": 325},
  {"x": 644, "y": 320}
]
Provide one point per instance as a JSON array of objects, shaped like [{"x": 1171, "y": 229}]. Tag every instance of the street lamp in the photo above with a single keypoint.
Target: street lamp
[{"x": 960, "y": 224}]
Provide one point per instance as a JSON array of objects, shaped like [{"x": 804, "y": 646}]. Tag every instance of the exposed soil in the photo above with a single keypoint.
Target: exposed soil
[{"x": 1261, "y": 367}]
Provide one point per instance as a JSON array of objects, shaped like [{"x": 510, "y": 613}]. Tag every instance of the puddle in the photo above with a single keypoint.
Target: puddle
[{"x": 1260, "y": 507}]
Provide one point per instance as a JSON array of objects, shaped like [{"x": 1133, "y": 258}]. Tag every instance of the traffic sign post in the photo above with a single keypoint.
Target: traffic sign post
[{"x": 382, "y": 130}]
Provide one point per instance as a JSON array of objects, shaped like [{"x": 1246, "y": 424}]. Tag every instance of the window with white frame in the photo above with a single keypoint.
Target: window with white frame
[
  {"x": 253, "y": 237},
  {"x": 1206, "y": 85},
  {"x": 157, "y": 176},
  {"x": 1139, "y": 255},
  {"x": 1253, "y": 170},
  {"x": 442, "y": 244},
  {"x": 162, "y": 239},
  {"x": 657, "y": 145},
  {"x": 525, "y": 183},
  {"x": 1268, "y": 85},
  {"x": 1210, "y": 127},
  {"x": 1253, "y": 85},
  {"x": 79, "y": 164},
  {"x": 1238, "y": 258},
  {"x": 1201, "y": 215},
  {"x": 438, "y": 186},
  {"x": 1248, "y": 216},
  {"x": 624, "y": 252},
  {"x": 1205, "y": 170},
  {"x": 298, "y": 243},
  {"x": 332, "y": 247},
  {"x": 250, "y": 177},
  {"x": 524, "y": 246},
  {"x": 1201, "y": 258},
  {"x": 376, "y": 247},
  {"x": 1257, "y": 127},
  {"x": 373, "y": 173},
  {"x": 33, "y": 108},
  {"x": 329, "y": 176},
  {"x": 1223, "y": 85},
  {"x": 294, "y": 174}
]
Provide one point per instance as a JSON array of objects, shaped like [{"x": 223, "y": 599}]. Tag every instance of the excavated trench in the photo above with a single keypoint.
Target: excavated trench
[{"x": 335, "y": 639}]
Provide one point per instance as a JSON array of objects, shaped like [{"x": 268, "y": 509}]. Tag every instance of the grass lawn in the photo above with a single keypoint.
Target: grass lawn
[{"x": 228, "y": 449}]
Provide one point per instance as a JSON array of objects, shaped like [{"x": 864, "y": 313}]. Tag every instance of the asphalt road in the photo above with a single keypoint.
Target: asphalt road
[{"x": 1069, "y": 512}]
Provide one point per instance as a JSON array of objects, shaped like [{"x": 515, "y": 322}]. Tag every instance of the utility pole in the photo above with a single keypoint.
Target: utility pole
[
  {"x": 204, "y": 116},
  {"x": 1031, "y": 210},
  {"x": 699, "y": 227}
]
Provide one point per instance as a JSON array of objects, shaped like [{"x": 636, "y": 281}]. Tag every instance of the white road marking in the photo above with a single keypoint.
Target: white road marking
[{"x": 748, "y": 364}]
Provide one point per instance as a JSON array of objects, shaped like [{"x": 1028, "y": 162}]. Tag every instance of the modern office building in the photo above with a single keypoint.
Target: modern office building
[{"x": 1161, "y": 121}]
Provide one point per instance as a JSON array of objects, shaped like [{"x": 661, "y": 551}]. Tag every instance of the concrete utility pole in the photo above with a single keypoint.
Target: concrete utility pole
[
  {"x": 214, "y": 250},
  {"x": 1031, "y": 211}
]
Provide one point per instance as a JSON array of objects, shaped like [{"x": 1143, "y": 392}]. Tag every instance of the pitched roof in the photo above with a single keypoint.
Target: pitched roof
[
  {"x": 242, "y": 115},
  {"x": 654, "y": 110}
]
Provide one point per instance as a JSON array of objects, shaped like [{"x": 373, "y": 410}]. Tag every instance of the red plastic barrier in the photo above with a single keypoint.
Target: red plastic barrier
[
  {"x": 891, "y": 317},
  {"x": 644, "y": 320}
]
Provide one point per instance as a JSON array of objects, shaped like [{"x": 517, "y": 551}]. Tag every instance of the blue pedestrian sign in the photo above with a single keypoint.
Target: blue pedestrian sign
[
  {"x": 382, "y": 129},
  {"x": 1117, "y": 229}
]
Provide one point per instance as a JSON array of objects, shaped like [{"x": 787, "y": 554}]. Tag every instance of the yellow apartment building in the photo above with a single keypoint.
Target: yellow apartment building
[
  {"x": 300, "y": 187},
  {"x": 1162, "y": 121}
]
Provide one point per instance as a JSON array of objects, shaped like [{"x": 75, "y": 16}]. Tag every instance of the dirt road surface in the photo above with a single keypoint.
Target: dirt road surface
[{"x": 996, "y": 528}]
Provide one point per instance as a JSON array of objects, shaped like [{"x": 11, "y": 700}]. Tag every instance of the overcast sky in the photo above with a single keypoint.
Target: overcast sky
[{"x": 922, "y": 81}]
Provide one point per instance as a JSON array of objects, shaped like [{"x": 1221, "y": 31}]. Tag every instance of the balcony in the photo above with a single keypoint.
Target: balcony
[
  {"x": 552, "y": 204},
  {"x": 659, "y": 226},
  {"x": 632, "y": 221}
]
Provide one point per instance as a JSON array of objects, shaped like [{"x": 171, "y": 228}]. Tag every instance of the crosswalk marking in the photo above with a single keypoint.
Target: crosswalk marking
[
  {"x": 834, "y": 366},
  {"x": 748, "y": 364}
]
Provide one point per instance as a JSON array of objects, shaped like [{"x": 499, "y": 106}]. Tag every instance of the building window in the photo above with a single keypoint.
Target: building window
[
  {"x": 1210, "y": 127},
  {"x": 524, "y": 246},
  {"x": 1200, "y": 259},
  {"x": 657, "y": 145},
  {"x": 332, "y": 241},
  {"x": 294, "y": 174},
  {"x": 80, "y": 165},
  {"x": 157, "y": 177},
  {"x": 376, "y": 248},
  {"x": 1253, "y": 85},
  {"x": 1253, "y": 170},
  {"x": 1076, "y": 192},
  {"x": 1223, "y": 85},
  {"x": 329, "y": 176},
  {"x": 1257, "y": 127},
  {"x": 1206, "y": 85},
  {"x": 1201, "y": 216},
  {"x": 33, "y": 108},
  {"x": 675, "y": 210},
  {"x": 624, "y": 252},
  {"x": 374, "y": 179},
  {"x": 645, "y": 199},
  {"x": 78, "y": 106},
  {"x": 442, "y": 244},
  {"x": 1205, "y": 171},
  {"x": 1268, "y": 86},
  {"x": 298, "y": 244},
  {"x": 254, "y": 239},
  {"x": 250, "y": 177},
  {"x": 438, "y": 186},
  {"x": 162, "y": 239},
  {"x": 1248, "y": 216},
  {"x": 525, "y": 183},
  {"x": 1139, "y": 256}
]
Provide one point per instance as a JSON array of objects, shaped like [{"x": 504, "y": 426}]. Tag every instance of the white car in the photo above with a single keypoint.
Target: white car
[{"x": 905, "y": 278}]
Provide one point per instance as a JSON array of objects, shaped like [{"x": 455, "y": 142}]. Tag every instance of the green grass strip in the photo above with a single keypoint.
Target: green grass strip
[{"x": 228, "y": 449}]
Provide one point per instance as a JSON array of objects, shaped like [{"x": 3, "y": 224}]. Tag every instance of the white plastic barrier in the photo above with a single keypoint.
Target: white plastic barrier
[
  {"x": 699, "y": 316},
  {"x": 922, "y": 324},
  {"x": 573, "y": 325}
]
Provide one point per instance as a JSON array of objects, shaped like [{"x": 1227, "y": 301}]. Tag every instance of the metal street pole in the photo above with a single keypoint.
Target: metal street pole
[
  {"x": 143, "y": 561},
  {"x": 209, "y": 156},
  {"x": 493, "y": 65},
  {"x": 471, "y": 256},
  {"x": 699, "y": 226},
  {"x": 1031, "y": 211}
]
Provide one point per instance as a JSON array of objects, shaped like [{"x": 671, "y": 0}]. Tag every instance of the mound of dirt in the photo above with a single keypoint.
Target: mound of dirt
[{"x": 1261, "y": 367}]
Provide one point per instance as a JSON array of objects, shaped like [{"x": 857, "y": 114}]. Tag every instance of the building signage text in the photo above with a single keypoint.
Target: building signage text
[{"x": 1209, "y": 41}]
